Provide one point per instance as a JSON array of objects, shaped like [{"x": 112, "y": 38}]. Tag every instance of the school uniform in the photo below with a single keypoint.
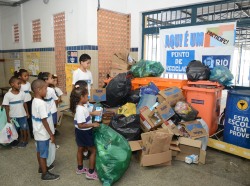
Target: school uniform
[
  {"x": 26, "y": 88},
  {"x": 39, "y": 112},
  {"x": 84, "y": 136},
  {"x": 17, "y": 111},
  {"x": 50, "y": 102},
  {"x": 86, "y": 76}
]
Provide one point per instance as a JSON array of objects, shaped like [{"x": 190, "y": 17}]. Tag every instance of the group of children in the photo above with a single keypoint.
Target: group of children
[{"x": 39, "y": 116}]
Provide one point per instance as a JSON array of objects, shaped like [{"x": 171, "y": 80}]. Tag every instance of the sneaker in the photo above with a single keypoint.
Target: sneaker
[
  {"x": 51, "y": 167},
  {"x": 21, "y": 145},
  {"x": 83, "y": 171},
  {"x": 92, "y": 176},
  {"x": 50, "y": 177}
]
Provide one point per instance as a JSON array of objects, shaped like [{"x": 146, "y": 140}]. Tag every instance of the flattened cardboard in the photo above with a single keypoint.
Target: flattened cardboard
[
  {"x": 135, "y": 145},
  {"x": 194, "y": 129},
  {"x": 98, "y": 95},
  {"x": 120, "y": 61},
  {"x": 156, "y": 159},
  {"x": 171, "y": 95}
]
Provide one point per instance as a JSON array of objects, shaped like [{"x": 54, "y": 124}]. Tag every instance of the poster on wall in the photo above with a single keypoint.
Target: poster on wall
[
  {"x": 212, "y": 44},
  {"x": 72, "y": 56},
  {"x": 17, "y": 65},
  {"x": 32, "y": 59},
  {"x": 69, "y": 69}
]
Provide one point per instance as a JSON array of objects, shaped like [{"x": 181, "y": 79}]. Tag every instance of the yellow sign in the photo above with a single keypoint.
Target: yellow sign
[
  {"x": 242, "y": 105},
  {"x": 69, "y": 68}
]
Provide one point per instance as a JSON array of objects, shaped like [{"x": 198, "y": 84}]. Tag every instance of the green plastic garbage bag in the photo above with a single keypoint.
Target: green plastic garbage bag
[
  {"x": 146, "y": 68},
  {"x": 113, "y": 154}
]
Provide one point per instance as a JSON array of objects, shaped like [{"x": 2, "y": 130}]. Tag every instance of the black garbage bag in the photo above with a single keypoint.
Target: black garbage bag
[
  {"x": 128, "y": 127},
  {"x": 118, "y": 89},
  {"x": 197, "y": 71},
  {"x": 134, "y": 96}
]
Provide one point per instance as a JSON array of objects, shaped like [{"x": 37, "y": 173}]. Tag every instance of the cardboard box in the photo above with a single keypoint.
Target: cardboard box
[
  {"x": 115, "y": 72},
  {"x": 171, "y": 95},
  {"x": 171, "y": 127},
  {"x": 145, "y": 121},
  {"x": 120, "y": 61},
  {"x": 165, "y": 111},
  {"x": 163, "y": 158},
  {"x": 98, "y": 95},
  {"x": 153, "y": 119},
  {"x": 194, "y": 129},
  {"x": 189, "y": 147}
]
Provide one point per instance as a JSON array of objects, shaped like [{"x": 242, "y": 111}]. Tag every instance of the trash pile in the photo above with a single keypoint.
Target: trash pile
[{"x": 154, "y": 116}]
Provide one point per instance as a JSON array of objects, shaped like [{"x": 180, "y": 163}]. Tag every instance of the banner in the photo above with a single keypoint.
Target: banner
[{"x": 212, "y": 44}]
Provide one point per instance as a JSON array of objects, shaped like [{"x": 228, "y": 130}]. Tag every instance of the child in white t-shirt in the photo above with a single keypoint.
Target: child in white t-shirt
[
  {"x": 82, "y": 73},
  {"x": 43, "y": 128},
  {"x": 50, "y": 98},
  {"x": 16, "y": 108},
  {"x": 83, "y": 131},
  {"x": 23, "y": 75},
  {"x": 58, "y": 91}
]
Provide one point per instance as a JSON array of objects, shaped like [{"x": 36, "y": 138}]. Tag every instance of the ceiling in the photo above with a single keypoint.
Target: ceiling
[{"x": 12, "y": 2}]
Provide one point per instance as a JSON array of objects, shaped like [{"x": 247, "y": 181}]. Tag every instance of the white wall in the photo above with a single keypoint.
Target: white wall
[{"x": 81, "y": 19}]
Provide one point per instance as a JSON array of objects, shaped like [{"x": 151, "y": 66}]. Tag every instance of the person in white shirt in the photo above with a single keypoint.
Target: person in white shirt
[
  {"x": 16, "y": 108},
  {"x": 58, "y": 91},
  {"x": 43, "y": 128},
  {"x": 82, "y": 73},
  {"x": 23, "y": 75},
  {"x": 50, "y": 98},
  {"x": 83, "y": 131}
]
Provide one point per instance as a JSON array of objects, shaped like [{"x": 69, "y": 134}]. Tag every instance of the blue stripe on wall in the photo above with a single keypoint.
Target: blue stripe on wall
[{"x": 49, "y": 49}]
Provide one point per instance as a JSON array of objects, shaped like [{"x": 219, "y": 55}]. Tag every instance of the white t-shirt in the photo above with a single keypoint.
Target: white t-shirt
[
  {"x": 39, "y": 112},
  {"x": 15, "y": 102},
  {"x": 27, "y": 89},
  {"x": 58, "y": 91},
  {"x": 80, "y": 75},
  {"x": 82, "y": 116},
  {"x": 50, "y": 100}
]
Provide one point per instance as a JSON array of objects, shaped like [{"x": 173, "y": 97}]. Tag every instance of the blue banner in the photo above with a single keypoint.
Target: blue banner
[
  {"x": 177, "y": 60},
  {"x": 214, "y": 60}
]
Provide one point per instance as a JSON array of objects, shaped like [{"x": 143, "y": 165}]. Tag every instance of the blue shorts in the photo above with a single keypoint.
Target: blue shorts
[
  {"x": 43, "y": 148},
  {"x": 54, "y": 117},
  {"x": 84, "y": 138},
  {"x": 23, "y": 123}
]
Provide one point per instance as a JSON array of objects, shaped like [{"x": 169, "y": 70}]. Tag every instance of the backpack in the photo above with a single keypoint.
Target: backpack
[{"x": 197, "y": 71}]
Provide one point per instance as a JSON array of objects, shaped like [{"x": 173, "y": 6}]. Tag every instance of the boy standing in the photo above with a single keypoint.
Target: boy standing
[
  {"x": 42, "y": 128},
  {"x": 82, "y": 73}
]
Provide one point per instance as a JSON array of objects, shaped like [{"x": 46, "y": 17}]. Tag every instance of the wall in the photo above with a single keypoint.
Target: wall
[{"x": 81, "y": 27}]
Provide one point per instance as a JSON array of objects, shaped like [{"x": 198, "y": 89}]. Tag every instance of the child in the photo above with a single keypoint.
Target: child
[
  {"x": 58, "y": 91},
  {"x": 23, "y": 75},
  {"x": 43, "y": 129},
  {"x": 82, "y": 73},
  {"x": 59, "y": 94},
  {"x": 16, "y": 108},
  {"x": 83, "y": 84},
  {"x": 83, "y": 131},
  {"x": 50, "y": 98}
]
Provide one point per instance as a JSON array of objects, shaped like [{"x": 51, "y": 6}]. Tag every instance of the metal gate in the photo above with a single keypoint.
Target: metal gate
[{"x": 207, "y": 13}]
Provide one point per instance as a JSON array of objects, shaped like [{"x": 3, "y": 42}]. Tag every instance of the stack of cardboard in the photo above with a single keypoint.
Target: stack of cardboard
[
  {"x": 119, "y": 64},
  {"x": 154, "y": 148}
]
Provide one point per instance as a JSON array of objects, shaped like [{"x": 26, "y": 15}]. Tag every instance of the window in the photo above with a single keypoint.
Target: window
[
  {"x": 16, "y": 33},
  {"x": 36, "y": 30}
]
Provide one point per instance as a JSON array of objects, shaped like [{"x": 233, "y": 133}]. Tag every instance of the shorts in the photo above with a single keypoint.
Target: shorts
[
  {"x": 23, "y": 123},
  {"x": 84, "y": 138},
  {"x": 54, "y": 117},
  {"x": 43, "y": 148}
]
